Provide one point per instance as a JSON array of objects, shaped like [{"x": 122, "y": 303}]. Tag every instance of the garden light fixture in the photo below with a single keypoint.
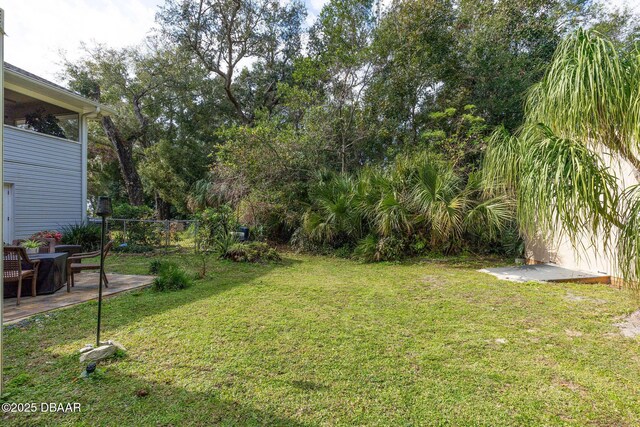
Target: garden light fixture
[{"x": 104, "y": 210}]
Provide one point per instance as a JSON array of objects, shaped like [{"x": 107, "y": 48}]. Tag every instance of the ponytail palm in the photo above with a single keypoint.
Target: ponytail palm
[{"x": 579, "y": 120}]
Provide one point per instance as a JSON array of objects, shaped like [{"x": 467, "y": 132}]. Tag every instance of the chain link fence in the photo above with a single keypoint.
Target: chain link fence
[{"x": 143, "y": 235}]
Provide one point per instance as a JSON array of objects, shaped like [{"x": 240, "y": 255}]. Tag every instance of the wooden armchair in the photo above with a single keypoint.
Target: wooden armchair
[
  {"x": 13, "y": 272},
  {"x": 75, "y": 265}
]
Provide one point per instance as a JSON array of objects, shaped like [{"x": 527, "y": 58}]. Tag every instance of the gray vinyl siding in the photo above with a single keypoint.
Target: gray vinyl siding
[{"x": 47, "y": 176}]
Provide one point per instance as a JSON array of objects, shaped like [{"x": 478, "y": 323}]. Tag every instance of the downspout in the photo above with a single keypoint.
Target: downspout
[{"x": 84, "y": 143}]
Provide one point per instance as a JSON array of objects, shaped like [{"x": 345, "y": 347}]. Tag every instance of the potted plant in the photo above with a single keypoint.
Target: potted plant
[
  {"x": 31, "y": 246},
  {"x": 51, "y": 235},
  {"x": 49, "y": 238}
]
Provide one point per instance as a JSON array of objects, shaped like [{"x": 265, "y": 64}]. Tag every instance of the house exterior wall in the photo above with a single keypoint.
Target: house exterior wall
[
  {"x": 47, "y": 175},
  {"x": 591, "y": 254}
]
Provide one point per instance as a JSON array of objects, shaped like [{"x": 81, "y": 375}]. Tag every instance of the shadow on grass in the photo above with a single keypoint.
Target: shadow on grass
[
  {"x": 112, "y": 397},
  {"x": 23, "y": 344},
  {"x": 463, "y": 262}
]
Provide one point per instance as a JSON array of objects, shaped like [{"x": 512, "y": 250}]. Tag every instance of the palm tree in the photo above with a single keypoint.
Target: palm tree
[
  {"x": 579, "y": 120},
  {"x": 440, "y": 198},
  {"x": 333, "y": 214},
  {"x": 447, "y": 205},
  {"x": 382, "y": 208}
]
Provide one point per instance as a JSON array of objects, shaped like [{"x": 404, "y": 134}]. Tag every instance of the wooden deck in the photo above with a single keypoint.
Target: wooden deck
[{"x": 86, "y": 289}]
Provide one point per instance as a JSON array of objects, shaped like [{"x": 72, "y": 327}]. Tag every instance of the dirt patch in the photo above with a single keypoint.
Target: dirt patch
[
  {"x": 630, "y": 325},
  {"x": 577, "y": 298},
  {"x": 576, "y": 388},
  {"x": 430, "y": 282},
  {"x": 432, "y": 279}
]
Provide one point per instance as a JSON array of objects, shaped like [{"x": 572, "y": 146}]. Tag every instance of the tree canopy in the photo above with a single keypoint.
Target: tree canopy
[{"x": 246, "y": 102}]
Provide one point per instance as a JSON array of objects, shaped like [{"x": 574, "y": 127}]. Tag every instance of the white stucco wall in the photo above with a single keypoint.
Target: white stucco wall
[{"x": 590, "y": 255}]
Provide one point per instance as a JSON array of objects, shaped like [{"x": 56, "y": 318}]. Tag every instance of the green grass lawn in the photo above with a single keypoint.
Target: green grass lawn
[{"x": 323, "y": 341}]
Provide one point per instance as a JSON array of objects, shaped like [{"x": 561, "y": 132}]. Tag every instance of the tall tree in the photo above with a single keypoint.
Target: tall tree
[
  {"x": 166, "y": 114},
  {"x": 187, "y": 112},
  {"x": 414, "y": 50},
  {"x": 227, "y": 34},
  {"x": 506, "y": 45},
  {"x": 111, "y": 76},
  {"x": 339, "y": 48}
]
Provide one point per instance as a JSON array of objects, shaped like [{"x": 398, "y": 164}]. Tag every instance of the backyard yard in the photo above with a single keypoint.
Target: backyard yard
[{"x": 324, "y": 341}]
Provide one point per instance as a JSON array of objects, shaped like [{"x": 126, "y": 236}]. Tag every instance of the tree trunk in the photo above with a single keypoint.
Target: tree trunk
[
  {"x": 163, "y": 208},
  {"x": 124, "y": 150},
  {"x": 231, "y": 96}
]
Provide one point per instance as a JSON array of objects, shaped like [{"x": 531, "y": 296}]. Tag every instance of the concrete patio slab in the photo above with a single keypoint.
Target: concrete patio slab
[
  {"x": 545, "y": 273},
  {"x": 86, "y": 289}
]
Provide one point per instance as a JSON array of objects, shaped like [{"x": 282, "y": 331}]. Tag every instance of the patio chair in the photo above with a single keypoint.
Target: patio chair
[
  {"x": 13, "y": 272},
  {"x": 75, "y": 265}
]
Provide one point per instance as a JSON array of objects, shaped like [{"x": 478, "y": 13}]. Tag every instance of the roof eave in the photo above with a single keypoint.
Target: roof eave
[{"x": 54, "y": 95}]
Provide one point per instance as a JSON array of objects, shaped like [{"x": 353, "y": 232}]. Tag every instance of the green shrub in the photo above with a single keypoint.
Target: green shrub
[
  {"x": 138, "y": 233},
  {"x": 155, "y": 266},
  {"x": 215, "y": 229},
  {"x": 86, "y": 235},
  {"x": 251, "y": 252},
  {"x": 171, "y": 278},
  {"x": 373, "y": 249},
  {"x": 417, "y": 194},
  {"x": 125, "y": 210},
  {"x": 367, "y": 249},
  {"x": 302, "y": 242},
  {"x": 133, "y": 248},
  {"x": 343, "y": 251}
]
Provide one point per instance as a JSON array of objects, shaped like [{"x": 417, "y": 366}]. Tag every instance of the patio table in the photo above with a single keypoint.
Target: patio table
[
  {"x": 52, "y": 275},
  {"x": 70, "y": 249}
]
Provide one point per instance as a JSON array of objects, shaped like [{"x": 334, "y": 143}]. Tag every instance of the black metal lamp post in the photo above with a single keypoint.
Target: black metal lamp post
[{"x": 104, "y": 210}]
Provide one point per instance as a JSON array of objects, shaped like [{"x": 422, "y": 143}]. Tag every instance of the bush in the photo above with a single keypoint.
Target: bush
[
  {"x": 170, "y": 277},
  {"x": 128, "y": 211},
  {"x": 133, "y": 248},
  {"x": 215, "y": 229},
  {"x": 251, "y": 252},
  {"x": 137, "y": 233},
  {"x": 418, "y": 194},
  {"x": 343, "y": 251},
  {"x": 269, "y": 221},
  {"x": 86, "y": 235},
  {"x": 373, "y": 249},
  {"x": 302, "y": 242},
  {"x": 155, "y": 266}
]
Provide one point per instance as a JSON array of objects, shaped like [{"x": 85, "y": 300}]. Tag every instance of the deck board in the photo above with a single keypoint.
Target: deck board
[{"x": 86, "y": 289}]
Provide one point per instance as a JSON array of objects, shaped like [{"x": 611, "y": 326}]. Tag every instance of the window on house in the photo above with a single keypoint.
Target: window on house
[{"x": 25, "y": 112}]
